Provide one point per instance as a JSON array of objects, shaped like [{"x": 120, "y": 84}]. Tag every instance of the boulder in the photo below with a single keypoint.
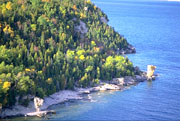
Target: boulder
[
  {"x": 118, "y": 81},
  {"x": 109, "y": 87},
  {"x": 129, "y": 80},
  {"x": 140, "y": 78},
  {"x": 131, "y": 49},
  {"x": 95, "y": 89}
]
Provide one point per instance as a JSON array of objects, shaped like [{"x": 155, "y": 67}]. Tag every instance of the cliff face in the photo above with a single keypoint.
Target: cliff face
[{"x": 51, "y": 45}]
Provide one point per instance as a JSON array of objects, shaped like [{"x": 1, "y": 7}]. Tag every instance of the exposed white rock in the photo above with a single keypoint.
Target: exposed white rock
[
  {"x": 109, "y": 87},
  {"x": 38, "y": 102},
  {"x": 40, "y": 113},
  {"x": 59, "y": 97},
  {"x": 118, "y": 81}
]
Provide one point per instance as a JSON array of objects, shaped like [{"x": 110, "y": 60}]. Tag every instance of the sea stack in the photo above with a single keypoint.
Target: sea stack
[
  {"x": 150, "y": 71},
  {"x": 38, "y": 103}
]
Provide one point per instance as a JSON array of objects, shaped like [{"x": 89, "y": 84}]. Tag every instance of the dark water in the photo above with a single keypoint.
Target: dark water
[{"x": 153, "y": 27}]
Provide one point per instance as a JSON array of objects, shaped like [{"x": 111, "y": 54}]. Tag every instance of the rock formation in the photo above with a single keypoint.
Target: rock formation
[
  {"x": 81, "y": 28},
  {"x": 38, "y": 103},
  {"x": 129, "y": 50},
  {"x": 150, "y": 71}
]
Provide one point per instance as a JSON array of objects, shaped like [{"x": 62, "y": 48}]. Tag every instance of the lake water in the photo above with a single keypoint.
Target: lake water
[{"x": 153, "y": 27}]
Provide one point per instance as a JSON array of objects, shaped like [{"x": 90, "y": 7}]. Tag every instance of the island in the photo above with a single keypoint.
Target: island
[{"x": 57, "y": 50}]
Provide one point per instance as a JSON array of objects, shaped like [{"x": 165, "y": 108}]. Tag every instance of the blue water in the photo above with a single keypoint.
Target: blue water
[{"x": 153, "y": 27}]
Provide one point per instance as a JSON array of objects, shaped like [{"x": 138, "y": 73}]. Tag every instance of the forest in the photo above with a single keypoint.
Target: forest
[{"x": 52, "y": 45}]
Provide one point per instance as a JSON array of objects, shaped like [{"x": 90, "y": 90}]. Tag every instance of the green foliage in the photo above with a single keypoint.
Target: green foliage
[
  {"x": 70, "y": 55},
  {"x": 117, "y": 66},
  {"x": 42, "y": 52},
  {"x": 25, "y": 85}
]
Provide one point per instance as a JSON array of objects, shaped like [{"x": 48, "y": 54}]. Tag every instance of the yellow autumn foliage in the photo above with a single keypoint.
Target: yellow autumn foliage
[
  {"x": 76, "y": 12},
  {"x": 8, "y": 30},
  {"x": 63, "y": 35},
  {"x": 45, "y": 0},
  {"x": 93, "y": 43},
  {"x": 96, "y": 49},
  {"x": 95, "y": 7},
  {"x": 9, "y": 6},
  {"x": 67, "y": 26},
  {"x": 5, "y": 30},
  {"x": 23, "y": 7},
  {"x": 3, "y": 8},
  {"x": 74, "y": 7},
  {"x": 27, "y": 69},
  {"x": 49, "y": 80},
  {"x": 82, "y": 57},
  {"x": 76, "y": 58},
  {"x": 88, "y": 1},
  {"x": 6, "y": 85},
  {"x": 82, "y": 15},
  {"x": 33, "y": 27}
]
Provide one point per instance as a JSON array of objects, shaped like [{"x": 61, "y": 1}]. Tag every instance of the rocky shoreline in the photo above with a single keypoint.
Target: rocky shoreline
[
  {"x": 77, "y": 94},
  {"x": 129, "y": 50}
]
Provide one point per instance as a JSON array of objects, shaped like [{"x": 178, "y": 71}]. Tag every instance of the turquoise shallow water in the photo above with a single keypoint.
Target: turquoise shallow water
[{"x": 153, "y": 27}]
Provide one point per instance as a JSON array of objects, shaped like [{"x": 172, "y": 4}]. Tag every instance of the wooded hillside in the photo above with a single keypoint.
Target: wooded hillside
[{"x": 51, "y": 45}]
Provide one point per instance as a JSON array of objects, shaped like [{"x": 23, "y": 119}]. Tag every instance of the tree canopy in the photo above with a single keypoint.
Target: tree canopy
[{"x": 43, "y": 51}]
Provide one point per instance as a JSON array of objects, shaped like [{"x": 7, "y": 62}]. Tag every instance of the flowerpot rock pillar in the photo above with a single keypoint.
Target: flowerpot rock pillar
[
  {"x": 38, "y": 102},
  {"x": 150, "y": 71}
]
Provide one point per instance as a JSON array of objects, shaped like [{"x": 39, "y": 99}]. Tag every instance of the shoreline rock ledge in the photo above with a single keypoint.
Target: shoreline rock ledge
[
  {"x": 67, "y": 95},
  {"x": 129, "y": 50}
]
